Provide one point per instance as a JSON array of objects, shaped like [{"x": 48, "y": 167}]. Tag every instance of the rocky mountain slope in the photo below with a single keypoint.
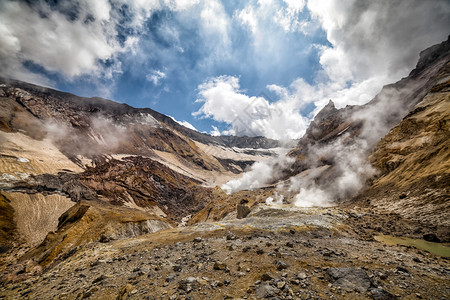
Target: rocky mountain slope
[
  {"x": 404, "y": 126},
  {"x": 84, "y": 128},
  {"x": 413, "y": 160},
  {"x": 57, "y": 149},
  {"x": 101, "y": 200}
]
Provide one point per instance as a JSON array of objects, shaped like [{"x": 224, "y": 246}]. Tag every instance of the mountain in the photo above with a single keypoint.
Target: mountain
[
  {"x": 92, "y": 149},
  {"x": 413, "y": 160},
  {"x": 102, "y": 200},
  {"x": 405, "y": 119},
  {"x": 406, "y": 129}
]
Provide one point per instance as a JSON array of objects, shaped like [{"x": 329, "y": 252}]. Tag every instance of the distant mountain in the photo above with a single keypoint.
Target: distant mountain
[{"x": 76, "y": 108}]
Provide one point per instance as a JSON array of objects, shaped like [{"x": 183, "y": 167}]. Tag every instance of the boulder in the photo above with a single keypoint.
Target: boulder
[
  {"x": 431, "y": 237},
  {"x": 265, "y": 291},
  {"x": 242, "y": 211},
  {"x": 353, "y": 279}
]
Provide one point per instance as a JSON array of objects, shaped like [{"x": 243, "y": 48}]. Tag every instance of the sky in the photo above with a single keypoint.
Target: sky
[{"x": 257, "y": 67}]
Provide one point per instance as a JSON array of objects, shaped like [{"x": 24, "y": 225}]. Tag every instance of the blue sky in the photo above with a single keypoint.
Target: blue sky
[{"x": 230, "y": 67}]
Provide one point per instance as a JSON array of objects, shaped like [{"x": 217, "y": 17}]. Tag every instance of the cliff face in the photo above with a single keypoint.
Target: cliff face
[{"x": 413, "y": 160}]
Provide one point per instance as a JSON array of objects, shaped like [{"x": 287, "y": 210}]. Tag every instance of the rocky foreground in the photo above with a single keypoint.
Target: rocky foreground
[{"x": 275, "y": 252}]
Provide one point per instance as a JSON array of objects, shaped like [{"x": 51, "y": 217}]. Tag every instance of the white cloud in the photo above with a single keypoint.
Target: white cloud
[
  {"x": 375, "y": 42},
  {"x": 181, "y": 4},
  {"x": 50, "y": 37},
  {"x": 289, "y": 18},
  {"x": 100, "y": 9},
  {"x": 252, "y": 116},
  {"x": 214, "y": 30},
  {"x": 223, "y": 101},
  {"x": 295, "y": 5},
  {"x": 260, "y": 16},
  {"x": 54, "y": 42},
  {"x": 215, "y": 131},
  {"x": 247, "y": 17},
  {"x": 155, "y": 77}
]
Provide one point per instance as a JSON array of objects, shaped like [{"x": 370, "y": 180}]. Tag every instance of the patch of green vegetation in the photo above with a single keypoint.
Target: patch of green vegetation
[{"x": 433, "y": 248}]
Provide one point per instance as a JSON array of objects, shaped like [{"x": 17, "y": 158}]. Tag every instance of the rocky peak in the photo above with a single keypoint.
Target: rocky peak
[
  {"x": 402, "y": 96},
  {"x": 328, "y": 110},
  {"x": 430, "y": 55},
  {"x": 327, "y": 124}
]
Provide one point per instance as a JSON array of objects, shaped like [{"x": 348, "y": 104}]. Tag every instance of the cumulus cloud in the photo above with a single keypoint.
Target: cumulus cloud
[
  {"x": 223, "y": 101},
  {"x": 72, "y": 38},
  {"x": 370, "y": 38},
  {"x": 47, "y": 37},
  {"x": 371, "y": 44}
]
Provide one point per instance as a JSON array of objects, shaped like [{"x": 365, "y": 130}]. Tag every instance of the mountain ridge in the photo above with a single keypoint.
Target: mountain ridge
[{"x": 110, "y": 107}]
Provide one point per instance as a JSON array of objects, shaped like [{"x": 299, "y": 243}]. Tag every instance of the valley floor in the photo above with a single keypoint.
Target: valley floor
[{"x": 276, "y": 252}]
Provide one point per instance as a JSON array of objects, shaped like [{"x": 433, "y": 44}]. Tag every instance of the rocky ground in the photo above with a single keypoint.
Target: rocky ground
[{"x": 275, "y": 252}]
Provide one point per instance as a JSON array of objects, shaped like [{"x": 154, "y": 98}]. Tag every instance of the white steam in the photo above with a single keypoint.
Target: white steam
[
  {"x": 275, "y": 200},
  {"x": 338, "y": 169},
  {"x": 102, "y": 135},
  {"x": 261, "y": 173},
  {"x": 313, "y": 196},
  {"x": 322, "y": 185}
]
